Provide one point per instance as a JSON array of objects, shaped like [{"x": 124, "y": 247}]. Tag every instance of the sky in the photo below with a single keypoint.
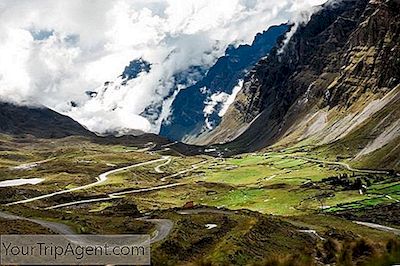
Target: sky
[{"x": 52, "y": 52}]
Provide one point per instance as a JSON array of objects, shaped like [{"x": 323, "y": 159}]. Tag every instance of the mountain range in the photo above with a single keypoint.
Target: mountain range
[{"x": 335, "y": 84}]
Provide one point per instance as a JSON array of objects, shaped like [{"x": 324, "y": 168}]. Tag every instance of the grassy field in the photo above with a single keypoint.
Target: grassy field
[
  {"x": 272, "y": 182},
  {"x": 250, "y": 187}
]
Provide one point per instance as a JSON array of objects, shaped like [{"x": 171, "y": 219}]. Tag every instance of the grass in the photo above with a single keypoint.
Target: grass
[
  {"x": 240, "y": 176},
  {"x": 239, "y": 239},
  {"x": 323, "y": 223},
  {"x": 268, "y": 183},
  {"x": 359, "y": 204},
  {"x": 264, "y": 201},
  {"x": 393, "y": 188},
  {"x": 101, "y": 206},
  {"x": 75, "y": 162},
  {"x": 256, "y": 168}
]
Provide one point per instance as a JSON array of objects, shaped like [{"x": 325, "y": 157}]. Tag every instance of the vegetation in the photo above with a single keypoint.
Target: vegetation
[{"x": 236, "y": 194}]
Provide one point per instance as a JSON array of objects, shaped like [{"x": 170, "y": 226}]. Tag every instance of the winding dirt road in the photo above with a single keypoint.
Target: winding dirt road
[
  {"x": 115, "y": 195},
  {"x": 312, "y": 233},
  {"x": 100, "y": 179},
  {"x": 28, "y": 166},
  {"x": 205, "y": 210},
  {"x": 345, "y": 165},
  {"x": 163, "y": 227},
  {"x": 379, "y": 227},
  {"x": 112, "y": 196},
  {"x": 158, "y": 167},
  {"x": 193, "y": 167},
  {"x": 58, "y": 228}
]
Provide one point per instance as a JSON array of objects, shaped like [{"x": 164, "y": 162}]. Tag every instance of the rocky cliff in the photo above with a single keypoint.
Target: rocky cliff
[
  {"x": 199, "y": 108},
  {"x": 335, "y": 83}
]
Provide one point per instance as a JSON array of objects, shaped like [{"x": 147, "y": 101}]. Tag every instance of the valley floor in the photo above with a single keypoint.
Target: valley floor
[{"x": 268, "y": 207}]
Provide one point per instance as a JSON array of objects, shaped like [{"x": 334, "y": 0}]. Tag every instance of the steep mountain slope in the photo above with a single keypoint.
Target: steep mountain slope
[
  {"x": 336, "y": 84},
  {"x": 199, "y": 108},
  {"x": 39, "y": 122}
]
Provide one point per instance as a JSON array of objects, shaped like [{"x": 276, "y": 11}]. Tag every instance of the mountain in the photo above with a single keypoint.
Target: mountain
[
  {"x": 48, "y": 124},
  {"x": 335, "y": 85},
  {"x": 39, "y": 122},
  {"x": 132, "y": 71},
  {"x": 199, "y": 108},
  {"x": 135, "y": 68}
]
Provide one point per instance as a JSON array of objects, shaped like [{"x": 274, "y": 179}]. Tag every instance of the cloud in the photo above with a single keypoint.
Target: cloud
[
  {"x": 52, "y": 52},
  {"x": 218, "y": 103},
  {"x": 302, "y": 11},
  {"x": 231, "y": 98}
]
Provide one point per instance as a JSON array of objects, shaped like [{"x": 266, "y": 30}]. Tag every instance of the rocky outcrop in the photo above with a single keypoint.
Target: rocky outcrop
[
  {"x": 135, "y": 68},
  {"x": 336, "y": 74}
]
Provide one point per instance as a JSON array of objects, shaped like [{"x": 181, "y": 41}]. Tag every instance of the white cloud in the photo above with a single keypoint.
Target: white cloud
[
  {"x": 231, "y": 98},
  {"x": 53, "y": 51},
  {"x": 218, "y": 103},
  {"x": 302, "y": 11},
  {"x": 214, "y": 100}
]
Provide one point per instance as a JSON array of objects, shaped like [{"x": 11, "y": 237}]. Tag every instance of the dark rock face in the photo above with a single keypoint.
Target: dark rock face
[
  {"x": 184, "y": 78},
  {"x": 346, "y": 51},
  {"x": 135, "y": 68},
  {"x": 278, "y": 81},
  {"x": 380, "y": 34},
  {"x": 39, "y": 122},
  {"x": 188, "y": 117}
]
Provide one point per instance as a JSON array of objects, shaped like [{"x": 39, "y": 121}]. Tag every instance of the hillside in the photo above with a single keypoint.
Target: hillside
[
  {"x": 335, "y": 84},
  {"x": 43, "y": 123},
  {"x": 39, "y": 122},
  {"x": 199, "y": 108}
]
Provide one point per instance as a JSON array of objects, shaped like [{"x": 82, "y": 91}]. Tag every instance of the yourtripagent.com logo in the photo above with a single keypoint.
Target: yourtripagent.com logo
[{"x": 75, "y": 249}]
